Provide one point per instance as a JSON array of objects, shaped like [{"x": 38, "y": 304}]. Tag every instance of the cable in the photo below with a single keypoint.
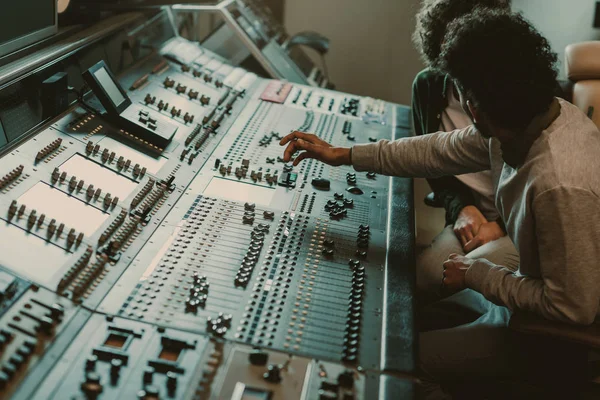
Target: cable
[{"x": 80, "y": 93}]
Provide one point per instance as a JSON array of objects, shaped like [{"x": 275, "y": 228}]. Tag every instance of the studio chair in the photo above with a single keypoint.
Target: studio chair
[{"x": 582, "y": 65}]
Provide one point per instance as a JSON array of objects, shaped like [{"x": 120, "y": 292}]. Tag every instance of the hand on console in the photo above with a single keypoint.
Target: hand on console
[{"x": 311, "y": 146}]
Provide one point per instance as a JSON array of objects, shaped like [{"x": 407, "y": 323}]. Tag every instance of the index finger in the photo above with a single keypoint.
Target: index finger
[{"x": 295, "y": 135}]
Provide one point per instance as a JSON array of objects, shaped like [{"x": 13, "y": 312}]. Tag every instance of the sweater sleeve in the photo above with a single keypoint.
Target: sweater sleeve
[
  {"x": 568, "y": 290},
  {"x": 429, "y": 156}
]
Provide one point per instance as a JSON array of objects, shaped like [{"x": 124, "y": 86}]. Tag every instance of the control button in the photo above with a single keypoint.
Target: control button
[
  {"x": 338, "y": 196},
  {"x": 323, "y": 184},
  {"x": 354, "y": 190},
  {"x": 328, "y": 243},
  {"x": 258, "y": 357},
  {"x": 273, "y": 373}
]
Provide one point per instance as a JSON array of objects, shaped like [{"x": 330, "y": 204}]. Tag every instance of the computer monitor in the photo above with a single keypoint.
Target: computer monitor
[{"x": 24, "y": 22}]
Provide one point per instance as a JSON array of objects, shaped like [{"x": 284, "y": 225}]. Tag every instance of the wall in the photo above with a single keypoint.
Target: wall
[
  {"x": 562, "y": 21},
  {"x": 371, "y": 51}
]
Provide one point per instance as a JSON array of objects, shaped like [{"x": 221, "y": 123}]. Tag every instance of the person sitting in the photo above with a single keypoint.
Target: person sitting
[
  {"x": 472, "y": 221},
  {"x": 543, "y": 155}
]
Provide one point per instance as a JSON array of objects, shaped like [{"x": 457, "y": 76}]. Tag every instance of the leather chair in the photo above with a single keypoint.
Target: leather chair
[
  {"x": 582, "y": 65},
  {"x": 564, "y": 349}
]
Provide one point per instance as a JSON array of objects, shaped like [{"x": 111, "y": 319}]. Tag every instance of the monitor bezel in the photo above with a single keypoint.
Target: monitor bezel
[{"x": 23, "y": 41}]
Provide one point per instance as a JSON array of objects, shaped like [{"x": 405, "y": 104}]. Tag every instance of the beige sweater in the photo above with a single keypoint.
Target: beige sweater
[{"x": 550, "y": 205}]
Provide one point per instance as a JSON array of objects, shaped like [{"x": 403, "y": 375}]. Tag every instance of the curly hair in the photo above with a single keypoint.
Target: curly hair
[
  {"x": 502, "y": 64},
  {"x": 434, "y": 17}
]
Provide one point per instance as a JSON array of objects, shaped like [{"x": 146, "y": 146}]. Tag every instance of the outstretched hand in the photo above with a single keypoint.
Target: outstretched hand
[{"x": 311, "y": 146}]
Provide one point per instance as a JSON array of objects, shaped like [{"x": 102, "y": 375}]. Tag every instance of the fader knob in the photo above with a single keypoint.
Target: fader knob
[
  {"x": 115, "y": 369},
  {"x": 171, "y": 383},
  {"x": 90, "y": 363},
  {"x": 148, "y": 375}
]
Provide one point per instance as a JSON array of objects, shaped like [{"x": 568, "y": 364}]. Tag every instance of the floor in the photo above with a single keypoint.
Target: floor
[{"x": 429, "y": 221}]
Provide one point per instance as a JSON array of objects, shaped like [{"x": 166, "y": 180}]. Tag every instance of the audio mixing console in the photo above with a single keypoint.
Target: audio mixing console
[{"x": 202, "y": 267}]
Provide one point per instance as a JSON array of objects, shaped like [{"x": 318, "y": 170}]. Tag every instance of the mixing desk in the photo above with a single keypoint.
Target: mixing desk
[{"x": 201, "y": 265}]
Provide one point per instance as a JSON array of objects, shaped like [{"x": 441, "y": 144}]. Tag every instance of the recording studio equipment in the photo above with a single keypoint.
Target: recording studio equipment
[
  {"x": 156, "y": 245},
  {"x": 21, "y": 27},
  {"x": 136, "y": 122},
  {"x": 248, "y": 31}
]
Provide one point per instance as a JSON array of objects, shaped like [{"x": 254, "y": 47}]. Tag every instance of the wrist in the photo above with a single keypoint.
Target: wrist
[{"x": 345, "y": 157}]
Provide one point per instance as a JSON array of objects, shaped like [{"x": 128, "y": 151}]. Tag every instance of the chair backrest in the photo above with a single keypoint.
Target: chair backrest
[{"x": 582, "y": 63}]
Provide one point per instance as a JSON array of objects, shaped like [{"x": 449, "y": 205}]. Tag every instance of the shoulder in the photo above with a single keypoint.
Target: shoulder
[{"x": 428, "y": 78}]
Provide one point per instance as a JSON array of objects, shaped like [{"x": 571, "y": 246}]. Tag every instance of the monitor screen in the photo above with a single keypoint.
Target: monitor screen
[
  {"x": 23, "y": 22},
  {"x": 110, "y": 87}
]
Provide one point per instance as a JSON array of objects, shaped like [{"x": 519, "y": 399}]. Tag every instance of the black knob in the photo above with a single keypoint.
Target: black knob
[
  {"x": 346, "y": 379},
  {"x": 273, "y": 373},
  {"x": 327, "y": 252},
  {"x": 171, "y": 383},
  {"x": 148, "y": 375},
  {"x": 46, "y": 325},
  {"x": 56, "y": 312},
  {"x": 115, "y": 370},
  {"x": 258, "y": 357},
  {"x": 328, "y": 243}
]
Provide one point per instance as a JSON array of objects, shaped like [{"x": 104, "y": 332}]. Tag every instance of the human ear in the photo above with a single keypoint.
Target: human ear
[{"x": 473, "y": 111}]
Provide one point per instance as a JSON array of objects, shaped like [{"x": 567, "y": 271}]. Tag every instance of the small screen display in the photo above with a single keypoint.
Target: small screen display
[{"x": 109, "y": 86}]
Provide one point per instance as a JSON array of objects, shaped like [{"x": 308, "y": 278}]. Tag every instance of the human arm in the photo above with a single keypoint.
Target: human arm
[
  {"x": 568, "y": 288},
  {"x": 438, "y": 154},
  {"x": 428, "y": 156}
]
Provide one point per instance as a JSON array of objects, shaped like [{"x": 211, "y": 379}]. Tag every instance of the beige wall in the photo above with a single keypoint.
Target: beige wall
[
  {"x": 371, "y": 51},
  {"x": 562, "y": 21}
]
